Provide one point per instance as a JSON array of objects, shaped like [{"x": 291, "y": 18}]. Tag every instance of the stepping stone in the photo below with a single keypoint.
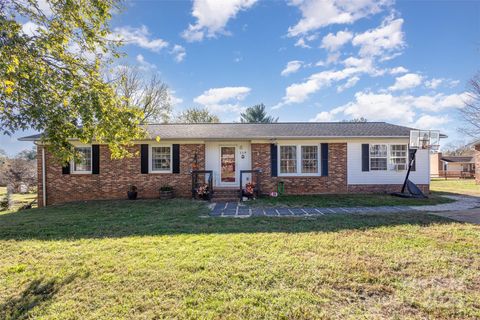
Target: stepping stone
[
  {"x": 231, "y": 205},
  {"x": 229, "y": 212},
  {"x": 297, "y": 211},
  {"x": 271, "y": 212},
  {"x": 311, "y": 211},
  {"x": 220, "y": 205},
  {"x": 216, "y": 213},
  {"x": 257, "y": 212},
  {"x": 284, "y": 212},
  {"x": 243, "y": 212}
]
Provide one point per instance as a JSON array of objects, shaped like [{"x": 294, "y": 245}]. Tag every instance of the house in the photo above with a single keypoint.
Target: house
[
  {"x": 306, "y": 158},
  {"x": 452, "y": 166},
  {"x": 476, "y": 146}
]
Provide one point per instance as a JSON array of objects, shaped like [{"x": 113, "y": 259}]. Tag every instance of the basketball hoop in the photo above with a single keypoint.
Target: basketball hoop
[{"x": 425, "y": 139}]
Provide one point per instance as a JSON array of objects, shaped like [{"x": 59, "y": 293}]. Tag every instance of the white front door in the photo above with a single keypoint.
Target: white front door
[{"x": 228, "y": 165}]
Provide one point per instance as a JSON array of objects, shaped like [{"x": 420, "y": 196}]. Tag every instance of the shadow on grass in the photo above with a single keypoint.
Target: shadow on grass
[
  {"x": 38, "y": 292},
  {"x": 102, "y": 219}
]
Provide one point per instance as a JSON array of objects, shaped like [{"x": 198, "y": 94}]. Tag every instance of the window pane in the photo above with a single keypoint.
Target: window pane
[
  {"x": 378, "y": 157},
  {"x": 288, "y": 159},
  {"x": 84, "y": 160},
  {"x": 398, "y": 156},
  {"x": 160, "y": 158},
  {"x": 309, "y": 159}
]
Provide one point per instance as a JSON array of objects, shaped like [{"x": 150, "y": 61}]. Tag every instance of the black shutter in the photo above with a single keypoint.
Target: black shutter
[
  {"x": 176, "y": 158},
  {"x": 95, "y": 159},
  {"x": 410, "y": 151},
  {"x": 66, "y": 168},
  {"x": 365, "y": 157},
  {"x": 273, "y": 159},
  {"x": 144, "y": 158},
  {"x": 324, "y": 157}
]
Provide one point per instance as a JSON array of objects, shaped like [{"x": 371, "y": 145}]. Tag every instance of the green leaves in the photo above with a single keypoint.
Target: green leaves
[{"x": 50, "y": 77}]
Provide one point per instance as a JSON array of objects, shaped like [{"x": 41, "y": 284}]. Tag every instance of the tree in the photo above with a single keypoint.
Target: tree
[
  {"x": 3, "y": 156},
  {"x": 28, "y": 154},
  {"x": 457, "y": 148},
  {"x": 361, "y": 119},
  {"x": 50, "y": 75},
  {"x": 471, "y": 110},
  {"x": 150, "y": 95},
  {"x": 20, "y": 172},
  {"x": 256, "y": 114},
  {"x": 196, "y": 115}
]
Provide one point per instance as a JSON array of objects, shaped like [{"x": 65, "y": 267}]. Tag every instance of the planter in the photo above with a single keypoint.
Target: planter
[
  {"x": 164, "y": 195},
  {"x": 132, "y": 195}
]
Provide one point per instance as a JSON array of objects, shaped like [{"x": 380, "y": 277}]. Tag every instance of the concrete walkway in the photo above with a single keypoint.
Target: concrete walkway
[{"x": 460, "y": 210}]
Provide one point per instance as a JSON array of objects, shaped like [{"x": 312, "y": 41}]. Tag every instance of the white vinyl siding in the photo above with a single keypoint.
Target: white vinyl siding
[{"x": 356, "y": 176}]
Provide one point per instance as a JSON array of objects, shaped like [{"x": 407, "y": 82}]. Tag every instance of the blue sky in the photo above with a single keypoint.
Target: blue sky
[{"x": 404, "y": 62}]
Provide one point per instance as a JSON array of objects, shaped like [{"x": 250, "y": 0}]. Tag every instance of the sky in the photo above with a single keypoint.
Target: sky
[{"x": 403, "y": 62}]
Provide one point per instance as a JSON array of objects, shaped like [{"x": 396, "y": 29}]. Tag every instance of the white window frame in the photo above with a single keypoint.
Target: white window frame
[
  {"x": 72, "y": 163},
  {"x": 386, "y": 156},
  {"x": 150, "y": 158},
  {"x": 299, "y": 172},
  {"x": 407, "y": 151}
]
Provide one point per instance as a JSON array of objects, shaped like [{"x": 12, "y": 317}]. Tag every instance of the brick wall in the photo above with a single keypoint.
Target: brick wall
[
  {"x": 115, "y": 177},
  {"x": 477, "y": 164},
  {"x": 335, "y": 182}
]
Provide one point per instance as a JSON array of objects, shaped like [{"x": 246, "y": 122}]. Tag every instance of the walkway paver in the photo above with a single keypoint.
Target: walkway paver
[{"x": 460, "y": 206}]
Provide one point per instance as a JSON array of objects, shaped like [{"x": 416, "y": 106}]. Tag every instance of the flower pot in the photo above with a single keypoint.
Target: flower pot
[
  {"x": 132, "y": 195},
  {"x": 166, "y": 194}
]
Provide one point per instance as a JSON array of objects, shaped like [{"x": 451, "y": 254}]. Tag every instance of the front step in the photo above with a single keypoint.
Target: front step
[{"x": 225, "y": 194}]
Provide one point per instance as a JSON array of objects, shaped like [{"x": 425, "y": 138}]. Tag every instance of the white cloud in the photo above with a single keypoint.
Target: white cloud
[
  {"x": 350, "y": 83},
  {"x": 381, "y": 41},
  {"x": 410, "y": 80},
  {"x": 398, "y": 70},
  {"x": 212, "y": 17},
  {"x": 138, "y": 36},
  {"x": 174, "y": 99},
  {"x": 333, "y": 42},
  {"x": 292, "y": 67},
  {"x": 179, "y": 52},
  {"x": 143, "y": 64},
  {"x": 429, "y": 122},
  {"x": 30, "y": 28},
  {"x": 223, "y": 99},
  {"x": 320, "y": 13},
  {"x": 301, "y": 43},
  {"x": 434, "y": 83},
  {"x": 398, "y": 109}
]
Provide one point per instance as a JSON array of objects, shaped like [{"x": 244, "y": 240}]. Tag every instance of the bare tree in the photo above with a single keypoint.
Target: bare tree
[
  {"x": 471, "y": 111},
  {"x": 20, "y": 171},
  {"x": 196, "y": 115},
  {"x": 148, "y": 94},
  {"x": 457, "y": 148}
]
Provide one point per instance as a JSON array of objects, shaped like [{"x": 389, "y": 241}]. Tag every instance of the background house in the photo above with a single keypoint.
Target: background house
[{"x": 452, "y": 166}]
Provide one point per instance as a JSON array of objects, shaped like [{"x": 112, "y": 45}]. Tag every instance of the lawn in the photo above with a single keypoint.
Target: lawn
[
  {"x": 458, "y": 186},
  {"x": 18, "y": 199},
  {"x": 154, "y": 259},
  {"x": 346, "y": 200}
]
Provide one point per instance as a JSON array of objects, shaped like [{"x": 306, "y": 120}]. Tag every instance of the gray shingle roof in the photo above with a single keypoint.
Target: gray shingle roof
[
  {"x": 271, "y": 130},
  {"x": 463, "y": 159}
]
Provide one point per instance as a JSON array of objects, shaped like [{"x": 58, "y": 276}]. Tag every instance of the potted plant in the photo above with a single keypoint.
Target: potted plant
[
  {"x": 203, "y": 191},
  {"x": 166, "y": 192},
  {"x": 132, "y": 193}
]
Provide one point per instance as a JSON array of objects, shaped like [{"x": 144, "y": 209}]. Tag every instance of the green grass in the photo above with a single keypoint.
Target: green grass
[
  {"x": 455, "y": 186},
  {"x": 154, "y": 259},
  {"x": 18, "y": 199},
  {"x": 345, "y": 200}
]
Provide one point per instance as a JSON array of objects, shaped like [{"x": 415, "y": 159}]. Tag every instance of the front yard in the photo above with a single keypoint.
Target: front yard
[
  {"x": 456, "y": 186},
  {"x": 154, "y": 259}
]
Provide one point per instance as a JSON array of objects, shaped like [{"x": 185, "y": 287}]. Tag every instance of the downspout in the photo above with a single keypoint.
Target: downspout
[{"x": 44, "y": 180}]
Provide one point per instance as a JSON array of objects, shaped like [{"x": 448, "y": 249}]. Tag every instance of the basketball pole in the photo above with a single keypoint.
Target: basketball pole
[{"x": 412, "y": 158}]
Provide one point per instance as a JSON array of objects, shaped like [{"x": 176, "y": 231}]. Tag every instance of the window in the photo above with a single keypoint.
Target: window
[
  {"x": 378, "y": 157},
  {"x": 309, "y": 159},
  {"x": 288, "y": 159},
  {"x": 161, "y": 159},
  {"x": 398, "y": 156},
  {"x": 83, "y": 161}
]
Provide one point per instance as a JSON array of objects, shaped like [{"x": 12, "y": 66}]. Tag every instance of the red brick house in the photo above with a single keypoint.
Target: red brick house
[{"x": 306, "y": 158}]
